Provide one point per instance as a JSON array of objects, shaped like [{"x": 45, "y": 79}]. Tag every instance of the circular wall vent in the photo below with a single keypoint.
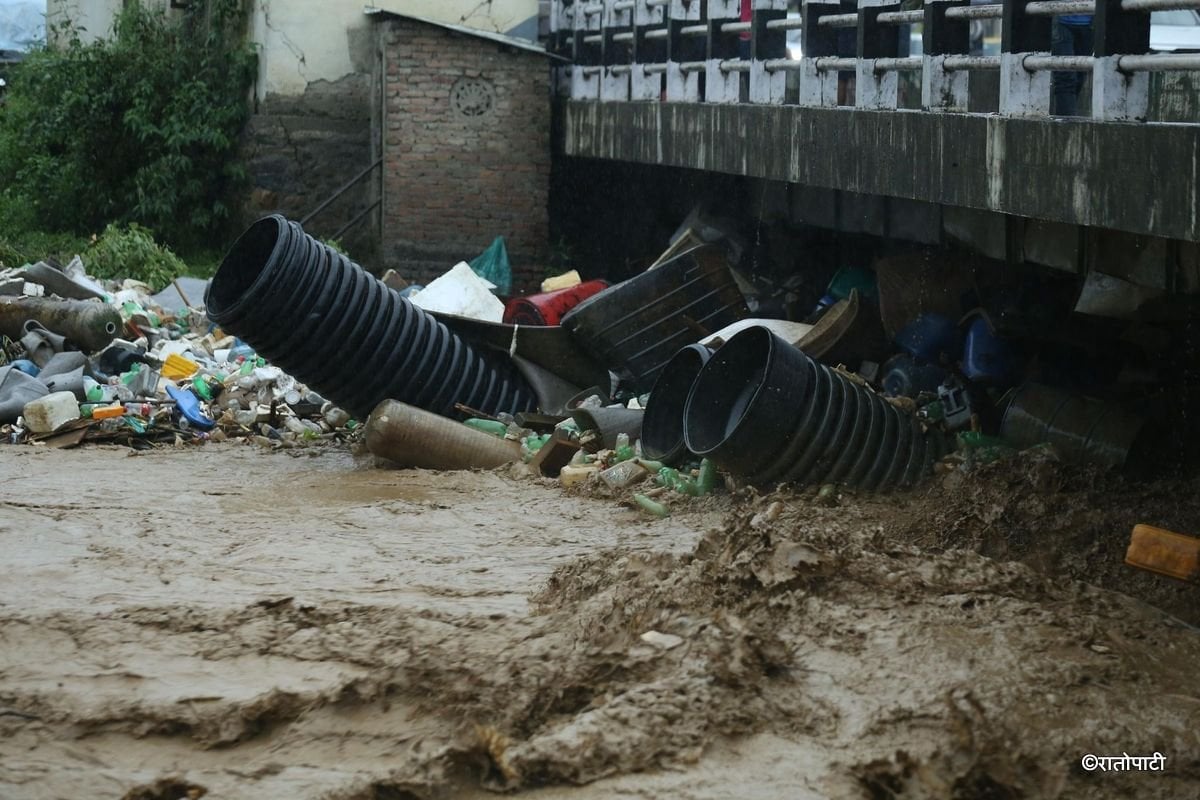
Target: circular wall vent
[{"x": 472, "y": 97}]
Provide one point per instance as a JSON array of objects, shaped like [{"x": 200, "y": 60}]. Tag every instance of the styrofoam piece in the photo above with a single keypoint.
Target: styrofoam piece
[
  {"x": 460, "y": 291},
  {"x": 48, "y": 413}
]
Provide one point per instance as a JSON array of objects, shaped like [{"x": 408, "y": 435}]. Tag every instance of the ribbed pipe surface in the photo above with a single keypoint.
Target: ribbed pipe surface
[
  {"x": 322, "y": 318},
  {"x": 761, "y": 409}
]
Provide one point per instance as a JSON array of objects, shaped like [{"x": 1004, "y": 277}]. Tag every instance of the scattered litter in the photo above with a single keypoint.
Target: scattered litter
[
  {"x": 463, "y": 293},
  {"x": 663, "y": 641},
  {"x": 1164, "y": 552}
]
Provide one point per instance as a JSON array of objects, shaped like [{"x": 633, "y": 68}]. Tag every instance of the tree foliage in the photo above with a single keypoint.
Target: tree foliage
[{"x": 141, "y": 127}]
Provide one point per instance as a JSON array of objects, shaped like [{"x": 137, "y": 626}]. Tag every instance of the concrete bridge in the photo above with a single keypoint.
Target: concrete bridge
[{"x": 830, "y": 100}]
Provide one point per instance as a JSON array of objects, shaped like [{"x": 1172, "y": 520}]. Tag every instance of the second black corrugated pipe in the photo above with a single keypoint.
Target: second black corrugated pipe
[
  {"x": 761, "y": 409},
  {"x": 322, "y": 318}
]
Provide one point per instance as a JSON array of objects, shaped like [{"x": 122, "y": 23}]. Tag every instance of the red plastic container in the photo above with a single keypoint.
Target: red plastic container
[{"x": 549, "y": 308}]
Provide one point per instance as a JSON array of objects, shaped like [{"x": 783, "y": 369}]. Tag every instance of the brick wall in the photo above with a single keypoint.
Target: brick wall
[{"x": 466, "y": 152}]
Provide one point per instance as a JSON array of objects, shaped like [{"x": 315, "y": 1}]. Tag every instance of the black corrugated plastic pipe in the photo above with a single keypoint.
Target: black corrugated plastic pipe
[
  {"x": 662, "y": 424},
  {"x": 764, "y": 410},
  {"x": 322, "y": 318}
]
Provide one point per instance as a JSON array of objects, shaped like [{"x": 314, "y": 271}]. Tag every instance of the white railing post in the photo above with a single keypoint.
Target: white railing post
[
  {"x": 1023, "y": 93},
  {"x": 614, "y": 84},
  {"x": 767, "y": 86},
  {"x": 876, "y": 89},
  {"x": 644, "y": 85},
  {"x": 721, "y": 86},
  {"x": 942, "y": 89},
  {"x": 818, "y": 87},
  {"x": 683, "y": 87}
]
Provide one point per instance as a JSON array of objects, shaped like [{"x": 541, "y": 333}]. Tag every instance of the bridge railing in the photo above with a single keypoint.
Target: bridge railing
[{"x": 703, "y": 51}]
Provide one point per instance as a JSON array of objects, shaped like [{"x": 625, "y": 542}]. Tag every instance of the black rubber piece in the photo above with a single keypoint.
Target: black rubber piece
[{"x": 322, "y": 318}]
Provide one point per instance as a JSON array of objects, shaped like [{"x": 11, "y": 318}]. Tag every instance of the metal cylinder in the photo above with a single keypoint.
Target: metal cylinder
[
  {"x": 325, "y": 320},
  {"x": 762, "y": 409}
]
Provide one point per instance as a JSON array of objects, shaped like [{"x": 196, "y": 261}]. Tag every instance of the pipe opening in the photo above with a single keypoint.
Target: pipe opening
[
  {"x": 726, "y": 388},
  {"x": 244, "y": 263}
]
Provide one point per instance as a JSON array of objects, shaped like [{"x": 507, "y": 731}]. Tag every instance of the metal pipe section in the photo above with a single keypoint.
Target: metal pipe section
[
  {"x": 735, "y": 65},
  {"x": 783, "y": 65},
  {"x": 1054, "y": 8},
  {"x": 737, "y": 27},
  {"x": 832, "y": 63},
  {"x": 960, "y": 63},
  {"x": 1189, "y": 62},
  {"x": 899, "y": 64},
  {"x": 785, "y": 24},
  {"x": 839, "y": 21},
  {"x": 1058, "y": 63},
  {"x": 900, "y": 17},
  {"x": 1159, "y": 5},
  {"x": 991, "y": 11}
]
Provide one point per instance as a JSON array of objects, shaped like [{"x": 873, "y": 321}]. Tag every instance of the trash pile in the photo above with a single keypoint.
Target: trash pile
[
  {"x": 683, "y": 370},
  {"x": 85, "y": 361},
  {"x": 902, "y": 370}
]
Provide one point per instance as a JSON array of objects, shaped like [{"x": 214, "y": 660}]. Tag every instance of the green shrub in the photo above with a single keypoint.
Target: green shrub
[
  {"x": 131, "y": 252},
  {"x": 142, "y": 127}
]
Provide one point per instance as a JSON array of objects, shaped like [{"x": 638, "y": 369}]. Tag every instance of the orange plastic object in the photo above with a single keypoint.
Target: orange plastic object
[
  {"x": 1165, "y": 552},
  {"x": 176, "y": 368},
  {"x": 108, "y": 412}
]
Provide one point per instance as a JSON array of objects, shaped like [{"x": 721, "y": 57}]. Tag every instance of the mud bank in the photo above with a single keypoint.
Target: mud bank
[{"x": 242, "y": 623}]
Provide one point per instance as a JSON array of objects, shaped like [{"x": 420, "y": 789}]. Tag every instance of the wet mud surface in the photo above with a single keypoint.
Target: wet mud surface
[{"x": 230, "y": 622}]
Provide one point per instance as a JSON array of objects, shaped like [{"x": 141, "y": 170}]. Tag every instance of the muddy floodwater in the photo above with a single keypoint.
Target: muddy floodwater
[{"x": 231, "y": 622}]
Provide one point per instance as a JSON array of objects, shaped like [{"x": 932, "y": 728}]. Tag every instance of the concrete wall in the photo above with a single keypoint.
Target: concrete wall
[
  {"x": 467, "y": 151},
  {"x": 1138, "y": 178}
]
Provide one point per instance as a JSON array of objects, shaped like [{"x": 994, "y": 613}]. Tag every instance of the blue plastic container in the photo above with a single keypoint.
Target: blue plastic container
[
  {"x": 987, "y": 358},
  {"x": 933, "y": 338}
]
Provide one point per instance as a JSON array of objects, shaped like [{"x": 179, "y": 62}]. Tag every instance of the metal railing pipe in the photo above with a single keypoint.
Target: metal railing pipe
[
  {"x": 1060, "y": 63},
  {"x": 900, "y": 17},
  {"x": 1054, "y": 8},
  {"x": 991, "y": 11},
  {"x": 1159, "y": 5},
  {"x": 1159, "y": 62},
  {"x": 961, "y": 63}
]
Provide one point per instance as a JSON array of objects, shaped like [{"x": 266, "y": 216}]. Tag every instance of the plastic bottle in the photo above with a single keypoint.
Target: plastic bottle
[
  {"x": 623, "y": 451},
  {"x": 491, "y": 426}
]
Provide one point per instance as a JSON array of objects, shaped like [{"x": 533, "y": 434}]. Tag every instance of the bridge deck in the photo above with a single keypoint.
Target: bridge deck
[{"x": 1136, "y": 177}]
